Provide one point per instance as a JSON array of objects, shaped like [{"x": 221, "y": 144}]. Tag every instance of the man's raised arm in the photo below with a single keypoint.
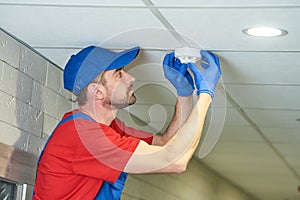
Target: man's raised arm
[{"x": 176, "y": 153}]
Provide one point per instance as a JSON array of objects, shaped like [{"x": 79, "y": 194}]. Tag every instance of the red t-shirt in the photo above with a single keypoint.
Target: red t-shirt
[{"x": 81, "y": 154}]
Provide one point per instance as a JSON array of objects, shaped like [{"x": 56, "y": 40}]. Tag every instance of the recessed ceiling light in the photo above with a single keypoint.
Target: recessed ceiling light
[{"x": 264, "y": 31}]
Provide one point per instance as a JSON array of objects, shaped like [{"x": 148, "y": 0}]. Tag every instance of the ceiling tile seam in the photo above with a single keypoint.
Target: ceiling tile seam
[
  {"x": 254, "y": 51},
  {"x": 256, "y": 127},
  {"x": 72, "y": 5},
  {"x": 271, "y": 109},
  {"x": 167, "y": 49},
  {"x": 228, "y": 7},
  {"x": 264, "y": 84},
  {"x": 165, "y": 23},
  {"x": 112, "y": 48},
  {"x": 286, "y": 6}
]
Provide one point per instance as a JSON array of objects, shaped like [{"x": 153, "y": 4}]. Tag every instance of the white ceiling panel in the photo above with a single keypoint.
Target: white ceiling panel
[
  {"x": 156, "y": 116},
  {"x": 148, "y": 67},
  {"x": 283, "y": 135},
  {"x": 222, "y": 3},
  {"x": 294, "y": 161},
  {"x": 147, "y": 37},
  {"x": 153, "y": 113},
  {"x": 253, "y": 67},
  {"x": 77, "y": 2},
  {"x": 240, "y": 134},
  {"x": 235, "y": 161},
  {"x": 59, "y": 57},
  {"x": 226, "y": 24},
  {"x": 273, "y": 187},
  {"x": 244, "y": 148},
  {"x": 266, "y": 96},
  {"x": 233, "y": 118},
  {"x": 131, "y": 121},
  {"x": 275, "y": 118},
  {"x": 289, "y": 149},
  {"x": 148, "y": 57},
  {"x": 154, "y": 94},
  {"x": 72, "y": 26}
]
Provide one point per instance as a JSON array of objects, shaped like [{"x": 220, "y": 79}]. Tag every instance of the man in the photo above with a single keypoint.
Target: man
[{"x": 90, "y": 152}]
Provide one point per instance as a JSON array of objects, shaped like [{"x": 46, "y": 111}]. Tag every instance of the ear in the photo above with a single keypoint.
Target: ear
[{"x": 96, "y": 91}]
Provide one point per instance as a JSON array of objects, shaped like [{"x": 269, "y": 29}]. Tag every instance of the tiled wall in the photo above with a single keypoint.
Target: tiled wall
[{"x": 32, "y": 100}]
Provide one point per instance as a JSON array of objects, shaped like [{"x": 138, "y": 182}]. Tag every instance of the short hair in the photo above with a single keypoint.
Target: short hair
[{"x": 82, "y": 96}]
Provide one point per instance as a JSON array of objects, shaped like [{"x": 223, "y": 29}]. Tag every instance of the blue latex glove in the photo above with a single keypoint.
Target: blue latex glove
[
  {"x": 206, "y": 80},
  {"x": 177, "y": 74}
]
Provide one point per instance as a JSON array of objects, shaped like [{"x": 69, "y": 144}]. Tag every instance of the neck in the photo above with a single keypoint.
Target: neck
[{"x": 101, "y": 114}]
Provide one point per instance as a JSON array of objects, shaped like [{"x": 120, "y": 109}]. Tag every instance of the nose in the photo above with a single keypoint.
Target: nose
[{"x": 129, "y": 78}]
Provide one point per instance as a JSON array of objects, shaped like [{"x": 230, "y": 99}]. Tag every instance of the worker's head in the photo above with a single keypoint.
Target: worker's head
[{"x": 100, "y": 71}]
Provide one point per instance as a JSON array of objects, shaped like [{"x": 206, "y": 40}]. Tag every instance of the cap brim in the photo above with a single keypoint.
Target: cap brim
[{"x": 124, "y": 58}]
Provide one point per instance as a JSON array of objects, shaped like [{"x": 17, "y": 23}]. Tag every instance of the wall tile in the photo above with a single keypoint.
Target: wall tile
[
  {"x": 8, "y": 108},
  {"x": 63, "y": 105},
  {"x": 15, "y": 83},
  {"x": 33, "y": 65},
  {"x": 20, "y": 114},
  {"x": 35, "y": 145},
  {"x": 54, "y": 77},
  {"x": 62, "y": 90},
  {"x": 1, "y": 71},
  {"x": 44, "y": 99},
  {"x": 10, "y": 135},
  {"x": 49, "y": 125},
  {"x": 13, "y": 136},
  {"x": 10, "y": 50}
]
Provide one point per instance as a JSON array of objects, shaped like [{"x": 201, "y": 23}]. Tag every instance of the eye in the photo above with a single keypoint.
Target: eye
[{"x": 119, "y": 74}]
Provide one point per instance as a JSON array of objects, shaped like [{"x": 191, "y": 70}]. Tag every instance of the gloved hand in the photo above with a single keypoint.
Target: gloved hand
[
  {"x": 177, "y": 74},
  {"x": 207, "y": 79}
]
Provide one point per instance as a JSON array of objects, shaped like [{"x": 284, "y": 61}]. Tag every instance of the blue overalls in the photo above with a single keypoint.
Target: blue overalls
[{"x": 108, "y": 190}]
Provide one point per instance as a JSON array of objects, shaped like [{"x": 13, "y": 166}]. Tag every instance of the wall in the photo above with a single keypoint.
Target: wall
[{"x": 32, "y": 100}]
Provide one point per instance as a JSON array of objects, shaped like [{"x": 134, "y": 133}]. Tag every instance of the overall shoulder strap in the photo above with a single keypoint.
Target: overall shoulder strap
[{"x": 75, "y": 116}]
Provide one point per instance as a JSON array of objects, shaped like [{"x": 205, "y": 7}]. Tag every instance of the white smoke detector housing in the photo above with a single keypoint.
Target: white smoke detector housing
[{"x": 187, "y": 54}]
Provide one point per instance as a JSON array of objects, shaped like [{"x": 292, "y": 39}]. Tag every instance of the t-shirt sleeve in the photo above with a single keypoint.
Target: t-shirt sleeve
[
  {"x": 101, "y": 152},
  {"x": 132, "y": 132}
]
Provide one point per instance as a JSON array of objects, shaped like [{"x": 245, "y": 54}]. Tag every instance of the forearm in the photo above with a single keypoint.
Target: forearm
[
  {"x": 183, "y": 108},
  {"x": 188, "y": 136},
  {"x": 178, "y": 150}
]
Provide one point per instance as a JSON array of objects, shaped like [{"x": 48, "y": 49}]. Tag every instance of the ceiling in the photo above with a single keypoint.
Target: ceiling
[{"x": 259, "y": 120}]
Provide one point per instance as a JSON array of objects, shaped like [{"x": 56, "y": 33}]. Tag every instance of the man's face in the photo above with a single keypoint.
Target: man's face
[{"x": 119, "y": 89}]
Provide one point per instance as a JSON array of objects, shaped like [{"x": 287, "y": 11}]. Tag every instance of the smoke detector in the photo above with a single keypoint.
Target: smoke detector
[{"x": 187, "y": 54}]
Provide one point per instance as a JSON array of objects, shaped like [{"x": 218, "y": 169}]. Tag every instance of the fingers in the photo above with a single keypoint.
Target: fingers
[
  {"x": 169, "y": 60},
  {"x": 182, "y": 68},
  {"x": 209, "y": 58},
  {"x": 175, "y": 63},
  {"x": 166, "y": 60},
  {"x": 193, "y": 68}
]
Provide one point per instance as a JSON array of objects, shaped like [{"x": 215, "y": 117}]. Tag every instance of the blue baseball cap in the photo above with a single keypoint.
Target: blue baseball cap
[{"x": 88, "y": 63}]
